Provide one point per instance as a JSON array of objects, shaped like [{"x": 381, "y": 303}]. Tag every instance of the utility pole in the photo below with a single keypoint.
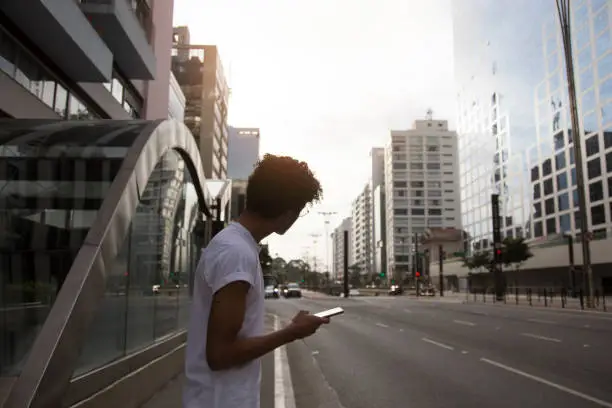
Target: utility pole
[
  {"x": 326, "y": 215},
  {"x": 315, "y": 238},
  {"x": 416, "y": 262},
  {"x": 441, "y": 263},
  {"x": 346, "y": 263},
  {"x": 563, "y": 10}
]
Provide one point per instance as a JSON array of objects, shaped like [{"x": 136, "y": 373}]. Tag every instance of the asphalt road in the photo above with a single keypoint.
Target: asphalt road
[{"x": 390, "y": 352}]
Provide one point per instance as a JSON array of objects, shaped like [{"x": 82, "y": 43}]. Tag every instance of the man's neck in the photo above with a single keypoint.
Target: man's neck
[{"x": 255, "y": 225}]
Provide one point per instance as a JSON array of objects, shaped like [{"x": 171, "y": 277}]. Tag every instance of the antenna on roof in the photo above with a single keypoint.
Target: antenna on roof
[{"x": 429, "y": 115}]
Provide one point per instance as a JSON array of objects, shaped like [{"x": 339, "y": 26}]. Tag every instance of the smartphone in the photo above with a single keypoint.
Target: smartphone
[{"x": 330, "y": 312}]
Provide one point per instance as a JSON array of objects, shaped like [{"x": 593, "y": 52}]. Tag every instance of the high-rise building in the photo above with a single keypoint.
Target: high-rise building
[
  {"x": 242, "y": 152},
  {"x": 361, "y": 233},
  {"x": 85, "y": 61},
  {"x": 514, "y": 127},
  {"x": 199, "y": 72},
  {"x": 379, "y": 231},
  {"x": 377, "y": 220},
  {"x": 338, "y": 248},
  {"x": 421, "y": 188}
]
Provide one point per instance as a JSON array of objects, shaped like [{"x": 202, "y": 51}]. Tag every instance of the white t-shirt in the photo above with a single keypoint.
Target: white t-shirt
[{"x": 232, "y": 255}]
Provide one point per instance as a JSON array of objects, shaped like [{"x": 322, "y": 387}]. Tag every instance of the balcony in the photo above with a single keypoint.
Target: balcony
[
  {"x": 126, "y": 26},
  {"x": 59, "y": 28}
]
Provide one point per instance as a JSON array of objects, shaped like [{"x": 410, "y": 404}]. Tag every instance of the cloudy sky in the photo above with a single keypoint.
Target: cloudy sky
[{"x": 326, "y": 81}]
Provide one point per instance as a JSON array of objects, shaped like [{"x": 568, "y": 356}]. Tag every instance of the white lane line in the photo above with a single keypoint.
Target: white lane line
[
  {"x": 407, "y": 310},
  {"x": 283, "y": 387},
  {"x": 549, "y": 383},
  {"x": 464, "y": 322},
  {"x": 435, "y": 343},
  {"x": 382, "y": 325},
  {"x": 541, "y": 321},
  {"x": 535, "y": 336}
]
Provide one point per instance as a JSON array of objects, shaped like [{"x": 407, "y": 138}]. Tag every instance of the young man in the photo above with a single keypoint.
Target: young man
[{"x": 226, "y": 332}]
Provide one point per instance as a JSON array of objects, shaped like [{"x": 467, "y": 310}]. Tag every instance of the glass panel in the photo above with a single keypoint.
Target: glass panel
[
  {"x": 106, "y": 339},
  {"x": 53, "y": 179}
]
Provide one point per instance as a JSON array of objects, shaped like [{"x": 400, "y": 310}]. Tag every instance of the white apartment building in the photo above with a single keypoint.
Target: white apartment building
[
  {"x": 338, "y": 247},
  {"x": 421, "y": 188},
  {"x": 377, "y": 179},
  {"x": 361, "y": 240}
]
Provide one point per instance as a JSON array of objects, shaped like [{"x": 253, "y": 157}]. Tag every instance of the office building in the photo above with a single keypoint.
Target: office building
[
  {"x": 338, "y": 248},
  {"x": 242, "y": 152},
  {"x": 85, "y": 61},
  {"x": 199, "y": 72},
  {"x": 238, "y": 201},
  {"x": 361, "y": 233},
  {"x": 421, "y": 188},
  {"x": 377, "y": 220},
  {"x": 514, "y": 127},
  {"x": 379, "y": 232}
]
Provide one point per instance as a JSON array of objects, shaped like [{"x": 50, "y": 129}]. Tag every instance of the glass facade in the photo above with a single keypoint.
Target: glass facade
[
  {"x": 147, "y": 292},
  {"x": 513, "y": 122},
  {"x": 53, "y": 181}
]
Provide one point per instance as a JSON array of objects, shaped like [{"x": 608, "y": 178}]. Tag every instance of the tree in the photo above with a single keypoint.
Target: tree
[
  {"x": 481, "y": 260},
  {"x": 297, "y": 270},
  {"x": 515, "y": 252},
  {"x": 265, "y": 260},
  {"x": 355, "y": 275}
]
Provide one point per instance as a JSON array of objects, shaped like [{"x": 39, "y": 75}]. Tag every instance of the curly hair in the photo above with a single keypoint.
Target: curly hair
[{"x": 280, "y": 184}]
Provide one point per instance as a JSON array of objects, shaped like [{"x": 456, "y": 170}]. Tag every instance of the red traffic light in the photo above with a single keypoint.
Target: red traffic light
[
  {"x": 418, "y": 274},
  {"x": 499, "y": 252}
]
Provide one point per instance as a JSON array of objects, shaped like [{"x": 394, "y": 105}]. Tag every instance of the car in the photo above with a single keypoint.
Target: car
[
  {"x": 396, "y": 290},
  {"x": 292, "y": 290},
  {"x": 271, "y": 292}
]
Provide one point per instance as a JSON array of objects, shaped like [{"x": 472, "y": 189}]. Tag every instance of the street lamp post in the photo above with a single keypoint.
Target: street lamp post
[
  {"x": 327, "y": 214},
  {"x": 563, "y": 10}
]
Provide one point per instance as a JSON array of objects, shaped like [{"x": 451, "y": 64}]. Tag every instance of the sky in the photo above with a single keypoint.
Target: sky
[{"x": 326, "y": 81}]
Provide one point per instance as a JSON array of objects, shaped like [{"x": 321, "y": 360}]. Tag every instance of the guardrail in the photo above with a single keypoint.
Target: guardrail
[{"x": 543, "y": 297}]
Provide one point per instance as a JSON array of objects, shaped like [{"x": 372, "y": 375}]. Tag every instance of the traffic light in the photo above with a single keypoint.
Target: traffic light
[
  {"x": 382, "y": 274},
  {"x": 417, "y": 274}
]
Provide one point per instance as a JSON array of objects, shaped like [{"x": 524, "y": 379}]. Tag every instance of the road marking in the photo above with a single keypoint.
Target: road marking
[
  {"x": 549, "y": 383},
  {"x": 586, "y": 346},
  {"x": 382, "y": 325},
  {"x": 535, "y": 336},
  {"x": 435, "y": 343},
  {"x": 407, "y": 310},
  {"x": 464, "y": 352},
  {"x": 587, "y": 326},
  {"x": 401, "y": 330},
  {"x": 541, "y": 321},
  {"x": 464, "y": 322},
  {"x": 283, "y": 387}
]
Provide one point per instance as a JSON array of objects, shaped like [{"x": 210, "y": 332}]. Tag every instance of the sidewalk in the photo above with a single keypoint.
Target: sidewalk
[{"x": 171, "y": 396}]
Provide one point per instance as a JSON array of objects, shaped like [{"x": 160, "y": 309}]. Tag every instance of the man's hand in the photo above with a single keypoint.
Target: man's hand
[{"x": 305, "y": 324}]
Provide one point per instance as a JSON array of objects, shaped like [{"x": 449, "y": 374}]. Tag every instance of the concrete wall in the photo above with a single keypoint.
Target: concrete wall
[{"x": 157, "y": 91}]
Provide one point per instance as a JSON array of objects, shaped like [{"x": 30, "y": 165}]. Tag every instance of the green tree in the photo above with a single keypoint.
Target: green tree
[
  {"x": 297, "y": 270},
  {"x": 481, "y": 260},
  {"x": 265, "y": 260},
  {"x": 355, "y": 276},
  {"x": 515, "y": 252}
]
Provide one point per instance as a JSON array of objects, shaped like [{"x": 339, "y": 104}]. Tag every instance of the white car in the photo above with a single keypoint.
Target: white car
[{"x": 271, "y": 291}]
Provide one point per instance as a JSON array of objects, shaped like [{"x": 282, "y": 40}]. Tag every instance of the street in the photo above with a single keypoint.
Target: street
[{"x": 387, "y": 352}]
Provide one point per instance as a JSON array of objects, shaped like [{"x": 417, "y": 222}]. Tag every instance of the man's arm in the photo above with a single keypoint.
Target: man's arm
[{"x": 223, "y": 347}]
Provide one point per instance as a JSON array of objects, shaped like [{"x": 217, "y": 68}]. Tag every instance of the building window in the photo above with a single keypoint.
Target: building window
[
  {"x": 594, "y": 168},
  {"x": 19, "y": 64},
  {"x": 596, "y": 191},
  {"x": 598, "y": 214}
]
